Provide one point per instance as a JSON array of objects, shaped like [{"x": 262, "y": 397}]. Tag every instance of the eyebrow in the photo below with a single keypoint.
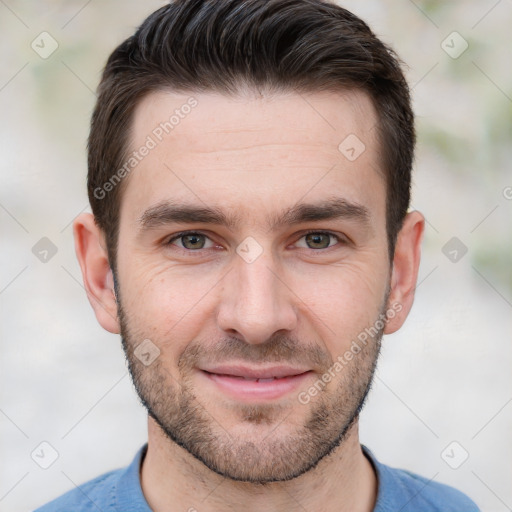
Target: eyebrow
[{"x": 331, "y": 209}]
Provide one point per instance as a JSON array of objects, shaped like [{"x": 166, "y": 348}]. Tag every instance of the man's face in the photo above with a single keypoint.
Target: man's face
[{"x": 279, "y": 286}]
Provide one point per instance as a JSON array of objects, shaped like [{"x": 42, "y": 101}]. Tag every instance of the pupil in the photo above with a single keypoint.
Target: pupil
[
  {"x": 317, "y": 239},
  {"x": 192, "y": 240}
]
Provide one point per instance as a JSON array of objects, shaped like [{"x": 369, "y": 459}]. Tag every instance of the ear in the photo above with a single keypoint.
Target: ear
[
  {"x": 92, "y": 255},
  {"x": 406, "y": 262}
]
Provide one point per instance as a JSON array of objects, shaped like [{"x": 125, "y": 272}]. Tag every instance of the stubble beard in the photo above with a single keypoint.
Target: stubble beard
[{"x": 284, "y": 451}]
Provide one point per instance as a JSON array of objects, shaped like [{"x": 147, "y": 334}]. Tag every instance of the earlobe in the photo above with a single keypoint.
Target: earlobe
[
  {"x": 96, "y": 272},
  {"x": 404, "y": 275}
]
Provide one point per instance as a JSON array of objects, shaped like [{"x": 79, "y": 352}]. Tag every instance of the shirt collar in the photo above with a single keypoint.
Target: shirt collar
[
  {"x": 128, "y": 495},
  {"x": 130, "y": 498}
]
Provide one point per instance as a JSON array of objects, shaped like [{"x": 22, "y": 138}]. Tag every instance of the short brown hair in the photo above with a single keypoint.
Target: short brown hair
[{"x": 223, "y": 45}]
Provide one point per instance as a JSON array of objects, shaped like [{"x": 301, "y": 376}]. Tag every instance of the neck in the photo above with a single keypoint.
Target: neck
[{"x": 171, "y": 478}]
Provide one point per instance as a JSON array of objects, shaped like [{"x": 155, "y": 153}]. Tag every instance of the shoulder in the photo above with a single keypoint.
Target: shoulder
[
  {"x": 117, "y": 490},
  {"x": 406, "y": 491},
  {"x": 98, "y": 493},
  {"x": 419, "y": 493}
]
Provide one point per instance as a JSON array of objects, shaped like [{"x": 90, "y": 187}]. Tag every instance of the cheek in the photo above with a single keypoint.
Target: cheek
[
  {"x": 165, "y": 303},
  {"x": 342, "y": 300}
]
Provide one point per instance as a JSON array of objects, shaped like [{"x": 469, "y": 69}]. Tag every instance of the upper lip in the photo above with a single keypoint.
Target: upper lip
[{"x": 256, "y": 373}]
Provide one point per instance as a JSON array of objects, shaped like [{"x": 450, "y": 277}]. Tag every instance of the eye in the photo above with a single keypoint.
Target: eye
[
  {"x": 319, "y": 240},
  {"x": 190, "y": 241},
  {"x": 194, "y": 241}
]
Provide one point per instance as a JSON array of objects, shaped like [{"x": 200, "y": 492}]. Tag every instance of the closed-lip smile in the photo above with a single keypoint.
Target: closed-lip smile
[{"x": 246, "y": 383}]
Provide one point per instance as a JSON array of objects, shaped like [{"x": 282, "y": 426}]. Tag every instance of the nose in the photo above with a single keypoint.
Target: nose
[{"x": 256, "y": 301}]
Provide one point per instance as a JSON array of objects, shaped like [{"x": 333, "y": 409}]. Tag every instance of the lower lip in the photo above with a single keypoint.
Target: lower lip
[{"x": 242, "y": 389}]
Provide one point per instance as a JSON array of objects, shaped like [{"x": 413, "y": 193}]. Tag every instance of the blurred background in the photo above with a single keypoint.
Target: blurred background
[{"x": 441, "y": 404}]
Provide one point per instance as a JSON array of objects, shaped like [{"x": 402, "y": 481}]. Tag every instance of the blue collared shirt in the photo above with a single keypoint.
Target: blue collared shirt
[{"x": 398, "y": 491}]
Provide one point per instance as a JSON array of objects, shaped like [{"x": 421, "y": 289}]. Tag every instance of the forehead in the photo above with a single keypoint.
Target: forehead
[{"x": 253, "y": 153}]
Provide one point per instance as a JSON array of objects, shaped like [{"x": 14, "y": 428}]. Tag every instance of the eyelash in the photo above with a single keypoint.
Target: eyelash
[{"x": 177, "y": 236}]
